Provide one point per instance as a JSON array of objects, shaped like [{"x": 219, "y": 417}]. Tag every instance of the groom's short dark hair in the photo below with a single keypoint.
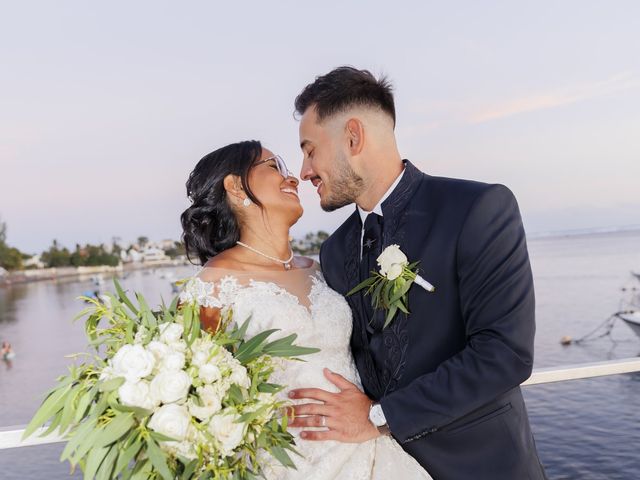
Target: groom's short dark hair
[{"x": 346, "y": 87}]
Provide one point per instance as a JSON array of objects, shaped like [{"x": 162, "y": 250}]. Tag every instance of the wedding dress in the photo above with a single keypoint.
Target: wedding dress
[{"x": 299, "y": 301}]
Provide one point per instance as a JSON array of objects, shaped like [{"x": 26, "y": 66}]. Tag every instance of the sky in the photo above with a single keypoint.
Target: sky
[{"x": 105, "y": 107}]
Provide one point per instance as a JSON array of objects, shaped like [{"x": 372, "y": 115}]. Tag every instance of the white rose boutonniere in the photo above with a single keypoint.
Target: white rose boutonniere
[{"x": 389, "y": 287}]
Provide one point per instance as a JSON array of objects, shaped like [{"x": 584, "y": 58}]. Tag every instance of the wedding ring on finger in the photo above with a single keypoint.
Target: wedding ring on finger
[{"x": 323, "y": 422}]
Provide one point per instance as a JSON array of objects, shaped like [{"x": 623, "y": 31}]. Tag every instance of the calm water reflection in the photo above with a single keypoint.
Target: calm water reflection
[{"x": 585, "y": 429}]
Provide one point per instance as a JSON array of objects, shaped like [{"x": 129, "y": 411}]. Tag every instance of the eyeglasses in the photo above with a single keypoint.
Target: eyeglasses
[{"x": 280, "y": 165}]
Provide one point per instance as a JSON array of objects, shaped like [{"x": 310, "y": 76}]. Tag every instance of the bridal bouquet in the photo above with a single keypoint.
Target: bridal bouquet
[{"x": 164, "y": 399}]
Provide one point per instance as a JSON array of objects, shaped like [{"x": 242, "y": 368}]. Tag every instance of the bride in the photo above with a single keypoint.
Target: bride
[{"x": 244, "y": 201}]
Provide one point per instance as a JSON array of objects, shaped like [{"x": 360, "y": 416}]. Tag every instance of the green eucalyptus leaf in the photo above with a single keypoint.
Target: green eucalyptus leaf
[
  {"x": 55, "y": 423},
  {"x": 79, "y": 435},
  {"x": 49, "y": 407},
  {"x": 160, "y": 437},
  {"x": 362, "y": 285},
  {"x": 96, "y": 455},
  {"x": 107, "y": 464},
  {"x": 270, "y": 388},
  {"x": 116, "y": 428},
  {"x": 157, "y": 458},
  {"x": 390, "y": 314},
  {"x": 127, "y": 456},
  {"x": 187, "y": 322},
  {"x": 195, "y": 330},
  {"x": 123, "y": 297},
  {"x": 284, "y": 347},
  {"x": 111, "y": 385},
  {"x": 253, "y": 347},
  {"x": 235, "y": 394},
  {"x": 142, "y": 470},
  {"x": 189, "y": 469},
  {"x": 84, "y": 402},
  {"x": 401, "y": 306},
  {"x": 282, "y": 456},
  {"x": 84, "y": 446}
]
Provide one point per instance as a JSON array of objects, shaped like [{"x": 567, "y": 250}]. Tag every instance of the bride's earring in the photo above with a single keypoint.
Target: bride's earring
[{"x": 246, "y": 202}]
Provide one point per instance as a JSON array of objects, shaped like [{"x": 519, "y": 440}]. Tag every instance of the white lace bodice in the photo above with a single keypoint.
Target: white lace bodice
[{"x": 299, "y": 301}]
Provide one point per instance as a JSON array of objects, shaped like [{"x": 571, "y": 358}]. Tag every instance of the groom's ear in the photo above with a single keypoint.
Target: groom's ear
[{"x": 355, "y": 135}]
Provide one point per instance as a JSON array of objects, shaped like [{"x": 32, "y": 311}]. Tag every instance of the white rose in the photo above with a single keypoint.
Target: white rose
[
  {"x": 173, "y": 361},
  {"x": 179, "y": 346},
  {"x": 171, "y": 420},
  {"x": 186, "y": 449},
  {"x": 199, "y": 358},
  {"x": 170, "y": 332},
  {"x": 137, "y": 395},
  {"x": 209, "y": 373},
  {"x": 107, "y": 372},
  {"x": 140, "y": 334},
  {"x": 171, "y": 386},
  {"x": 239, "y": 376},
  {"x": 159, "y": 350},
  {"x": 394, "y": 271},
  {"x": 392, "y": 261},
  {"x": 133, "y": 362},
  {"x": 264, "y": 400},
  {"x": 227, "y": 433},
  {"x": 211, "y": 403},
  {"x": 201, "y": 349}
]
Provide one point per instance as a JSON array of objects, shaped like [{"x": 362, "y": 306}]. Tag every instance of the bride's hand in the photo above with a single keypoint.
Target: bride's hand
[{"x": 344, "y": 414}]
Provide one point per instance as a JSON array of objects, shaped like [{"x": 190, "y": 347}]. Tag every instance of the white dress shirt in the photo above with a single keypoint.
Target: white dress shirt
[{"x": 378, "y": 208}]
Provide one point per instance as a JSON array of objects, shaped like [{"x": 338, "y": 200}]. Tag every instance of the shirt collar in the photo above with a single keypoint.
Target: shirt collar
[{"x": 378, "y": 208}]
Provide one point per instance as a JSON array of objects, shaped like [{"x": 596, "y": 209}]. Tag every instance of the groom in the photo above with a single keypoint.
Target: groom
[{"x": 443, "y": 380}]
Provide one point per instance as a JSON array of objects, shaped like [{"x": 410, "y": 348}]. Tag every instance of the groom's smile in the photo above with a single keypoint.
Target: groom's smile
[{"x": 318, "y": 184}]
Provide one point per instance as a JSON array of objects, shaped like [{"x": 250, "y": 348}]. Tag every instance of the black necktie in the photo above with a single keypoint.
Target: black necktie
[{"x": 371, "y": 250}]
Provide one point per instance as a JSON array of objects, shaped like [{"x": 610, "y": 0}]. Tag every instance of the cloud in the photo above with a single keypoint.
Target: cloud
[{"x": 557, "y": 98}]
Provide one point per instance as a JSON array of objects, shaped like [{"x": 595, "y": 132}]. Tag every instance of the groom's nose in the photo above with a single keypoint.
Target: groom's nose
[{"x": 306, "y": 172}]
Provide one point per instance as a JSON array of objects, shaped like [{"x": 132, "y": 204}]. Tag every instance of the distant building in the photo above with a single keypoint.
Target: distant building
[
  {"x": 153, "y": 255},
  {"x": 33, "y": 262},
  {"x": 3, "y": 272},
  {"x": 132, "y": 256},
  {"x": 166, "y": 244}
]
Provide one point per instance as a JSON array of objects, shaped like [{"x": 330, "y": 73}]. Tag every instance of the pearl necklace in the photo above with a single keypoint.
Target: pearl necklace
[{"x": 286, "y": 263}]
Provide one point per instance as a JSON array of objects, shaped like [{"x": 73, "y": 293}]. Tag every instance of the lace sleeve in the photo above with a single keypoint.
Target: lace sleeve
[{"x": 211, "y": 294}]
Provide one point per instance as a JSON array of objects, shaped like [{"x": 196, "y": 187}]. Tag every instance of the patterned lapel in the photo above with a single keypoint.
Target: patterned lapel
[
  {"x": 360, "y": 341},
  {"x": 395, "y": 337}
]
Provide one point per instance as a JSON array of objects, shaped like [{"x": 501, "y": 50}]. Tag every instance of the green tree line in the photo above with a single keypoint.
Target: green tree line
[
  {"x": 10, "y": 258},
  {"x": 310, "y": 244}
]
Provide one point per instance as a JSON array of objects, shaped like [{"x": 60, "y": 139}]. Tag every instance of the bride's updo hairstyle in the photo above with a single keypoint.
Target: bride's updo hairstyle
[{"x": 209, "y": 225}]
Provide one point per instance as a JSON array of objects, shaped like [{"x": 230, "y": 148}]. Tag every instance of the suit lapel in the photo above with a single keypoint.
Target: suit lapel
[
  {"x": 359, "y": 340},
  {"x": 396, "y": 216}
]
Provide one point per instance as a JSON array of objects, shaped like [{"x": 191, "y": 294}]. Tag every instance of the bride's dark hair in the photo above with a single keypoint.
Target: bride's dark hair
[{"x": 209, "y": 225}]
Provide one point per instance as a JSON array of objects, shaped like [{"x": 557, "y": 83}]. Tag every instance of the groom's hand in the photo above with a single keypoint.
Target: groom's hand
[{"x": 344, "y": 414}]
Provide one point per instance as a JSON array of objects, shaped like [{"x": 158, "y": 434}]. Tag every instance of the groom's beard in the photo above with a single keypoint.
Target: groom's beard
[{"x": 345, "y": 187}]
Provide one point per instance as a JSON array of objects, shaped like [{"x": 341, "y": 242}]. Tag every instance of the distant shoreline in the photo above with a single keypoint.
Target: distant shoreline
[
  {"x": 42, "y": 274},
  {"x": 583, "y": 232}
]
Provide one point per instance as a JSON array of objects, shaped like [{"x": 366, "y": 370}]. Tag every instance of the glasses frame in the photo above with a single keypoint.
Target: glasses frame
[{"x": 283, "y": 170}]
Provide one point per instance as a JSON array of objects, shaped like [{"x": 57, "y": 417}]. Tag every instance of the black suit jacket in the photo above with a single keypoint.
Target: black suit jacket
[{"x": 448, "y": 375}]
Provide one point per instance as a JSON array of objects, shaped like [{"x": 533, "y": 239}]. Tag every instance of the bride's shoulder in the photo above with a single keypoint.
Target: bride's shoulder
[{"x": 219, "y": 267}]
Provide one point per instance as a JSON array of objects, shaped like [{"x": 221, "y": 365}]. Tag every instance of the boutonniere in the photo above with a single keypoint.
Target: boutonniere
[{"x": 389, "y": 287}]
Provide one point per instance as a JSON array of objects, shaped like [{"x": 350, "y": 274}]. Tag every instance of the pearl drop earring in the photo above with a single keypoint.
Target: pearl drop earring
[{"x": 246, "y": 202}]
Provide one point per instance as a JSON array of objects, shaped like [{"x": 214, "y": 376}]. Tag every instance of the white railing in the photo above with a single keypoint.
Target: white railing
[
  {"x": 11, "y": 437},
  {"x": 583, "y": 370}
]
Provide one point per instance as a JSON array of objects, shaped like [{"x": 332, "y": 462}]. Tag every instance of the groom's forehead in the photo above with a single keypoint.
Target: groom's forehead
[{"x": 310, "y": 129}]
